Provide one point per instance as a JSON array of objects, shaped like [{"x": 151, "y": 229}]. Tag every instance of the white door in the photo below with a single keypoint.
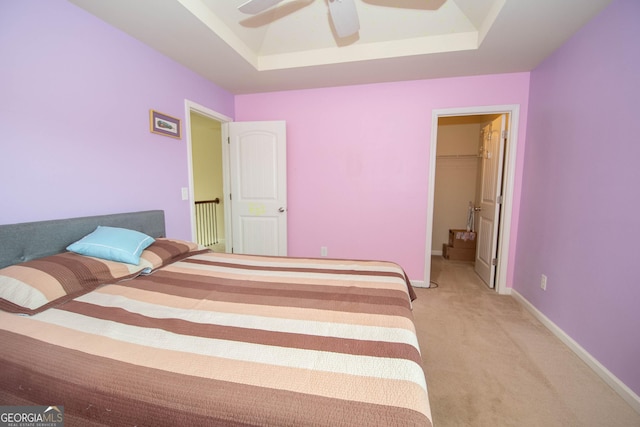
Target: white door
[
  {"x": 488, "y": 216},
  {"x": 258, "y": 171}
]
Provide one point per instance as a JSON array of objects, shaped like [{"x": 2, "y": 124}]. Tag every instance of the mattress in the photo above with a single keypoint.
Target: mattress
[{"x": 226, "y": 339}]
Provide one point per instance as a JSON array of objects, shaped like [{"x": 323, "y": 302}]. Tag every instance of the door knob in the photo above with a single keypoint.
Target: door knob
[
  {"x": 281, "y": 209},
  {"x": 477, "y": 209}
]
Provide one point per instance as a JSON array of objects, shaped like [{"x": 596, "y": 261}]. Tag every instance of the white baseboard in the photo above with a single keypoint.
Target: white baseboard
[
  {"x": 505, "y": 291},
  {"x": 614, "y": 382},
  {"x": 436, "y": 253},
  {"x": 419, "y": 284}
]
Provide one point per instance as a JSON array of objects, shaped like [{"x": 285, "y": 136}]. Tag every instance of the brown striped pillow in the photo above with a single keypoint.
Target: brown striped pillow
[
  {"x": 166, "y": 251},
  {"x": 33, "y": 286}
]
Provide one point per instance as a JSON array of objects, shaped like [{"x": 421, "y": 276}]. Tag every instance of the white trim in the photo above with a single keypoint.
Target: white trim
[
  {"x": 418, "y": 284},
  {"x": 509, "y": 167},
  {"x": 614, "y": 382},
  {"x": 190, "y": 106},
  {"x": 226, "y": 188}
]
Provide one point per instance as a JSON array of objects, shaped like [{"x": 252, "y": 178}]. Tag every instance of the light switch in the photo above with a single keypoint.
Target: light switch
[{"x": 185, "y": 193}]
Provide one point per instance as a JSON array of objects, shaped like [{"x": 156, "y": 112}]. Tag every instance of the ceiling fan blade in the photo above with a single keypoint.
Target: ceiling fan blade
[
  {"x": 253, "y": 7},
  {"x": 345, "y": 17}
]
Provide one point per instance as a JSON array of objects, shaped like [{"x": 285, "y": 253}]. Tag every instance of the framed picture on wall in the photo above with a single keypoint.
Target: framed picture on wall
[{"x": 164, "y": 125}]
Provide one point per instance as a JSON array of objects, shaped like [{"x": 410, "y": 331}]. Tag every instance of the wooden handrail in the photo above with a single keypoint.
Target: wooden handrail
[{"x": 216, "y": 201}]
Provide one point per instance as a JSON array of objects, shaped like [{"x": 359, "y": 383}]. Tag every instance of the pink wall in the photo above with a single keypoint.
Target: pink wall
[
  {"x": 580, "y": 197},
  {"x": 75, "y": 96},
  {"x": 358, "y": 160}
]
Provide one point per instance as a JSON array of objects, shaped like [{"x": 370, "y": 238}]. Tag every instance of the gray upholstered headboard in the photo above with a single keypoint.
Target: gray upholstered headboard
[{"x": 30, "y": 240}]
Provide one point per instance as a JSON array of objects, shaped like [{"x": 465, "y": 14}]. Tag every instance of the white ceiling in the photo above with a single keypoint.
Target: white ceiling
[{"x": 293, "y": 45}]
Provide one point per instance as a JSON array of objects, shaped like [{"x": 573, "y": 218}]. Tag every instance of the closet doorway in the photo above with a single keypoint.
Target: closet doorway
[{"x": 471, "y": 183}]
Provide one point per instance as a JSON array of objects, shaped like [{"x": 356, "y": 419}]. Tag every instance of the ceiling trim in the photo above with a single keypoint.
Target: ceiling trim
[{"x": 364, "y": 52}]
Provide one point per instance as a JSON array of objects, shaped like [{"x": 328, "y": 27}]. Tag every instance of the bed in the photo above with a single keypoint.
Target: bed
[{"x": 192, "y": 337}]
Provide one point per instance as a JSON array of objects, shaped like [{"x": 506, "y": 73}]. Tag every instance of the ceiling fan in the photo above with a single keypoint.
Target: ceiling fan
[{"x": 343, "y": 13}]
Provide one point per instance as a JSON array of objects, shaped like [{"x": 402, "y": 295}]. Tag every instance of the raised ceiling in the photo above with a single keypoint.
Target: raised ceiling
[
  {"x": 293, "y": 45},
  {"x": 299, "y": 33}
]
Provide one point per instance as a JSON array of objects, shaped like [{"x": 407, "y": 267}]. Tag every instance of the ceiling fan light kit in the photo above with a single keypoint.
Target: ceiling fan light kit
[{"x": 343, "y": 14}]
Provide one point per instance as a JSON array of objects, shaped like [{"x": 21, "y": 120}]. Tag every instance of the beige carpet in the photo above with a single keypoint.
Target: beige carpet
[{"x": 489, "y": 362}]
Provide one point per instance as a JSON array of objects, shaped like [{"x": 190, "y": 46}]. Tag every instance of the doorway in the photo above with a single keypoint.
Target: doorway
[
  {"x": 468, "y": 168},
  {"x": 467, "y": 160},
  {"x": 206, "y": 146},
  {"x": 208, "y": 177},
  {"x": 254, "y": 154}
]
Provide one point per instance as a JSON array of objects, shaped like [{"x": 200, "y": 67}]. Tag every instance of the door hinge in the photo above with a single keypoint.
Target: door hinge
[
  {"x": 505, "y": 134},
  {"x": 228, "y": 140},
  {"x": 500, "y": 200},
  {"x": 230, "y": 198},
  {"x": 494, "y": 261}
]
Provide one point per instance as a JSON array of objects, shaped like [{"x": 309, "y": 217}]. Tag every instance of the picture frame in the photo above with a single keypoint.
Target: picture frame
[{"x": 163, "y": 124}]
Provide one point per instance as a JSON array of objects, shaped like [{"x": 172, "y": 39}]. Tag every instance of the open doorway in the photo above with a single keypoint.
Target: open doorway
[
  {"x": 208, "y": 189},
  {"x": 208, "y": 177},
  {"x": 464, "y": 161}
]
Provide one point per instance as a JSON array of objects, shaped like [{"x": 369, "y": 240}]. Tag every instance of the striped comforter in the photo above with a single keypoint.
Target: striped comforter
[{"x": 222, "y": 339}]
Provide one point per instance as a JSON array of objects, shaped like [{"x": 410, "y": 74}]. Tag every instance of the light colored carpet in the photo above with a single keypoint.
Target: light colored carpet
[{"x": 489, "y": 362}]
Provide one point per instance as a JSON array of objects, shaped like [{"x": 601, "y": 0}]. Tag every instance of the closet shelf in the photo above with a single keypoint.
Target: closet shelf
[{"x": 457, "y": 156}]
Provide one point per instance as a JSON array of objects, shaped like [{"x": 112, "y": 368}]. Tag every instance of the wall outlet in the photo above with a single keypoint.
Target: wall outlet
[
  {"x": 323, "y": 251},
  {"x": 543, "y": 282}
]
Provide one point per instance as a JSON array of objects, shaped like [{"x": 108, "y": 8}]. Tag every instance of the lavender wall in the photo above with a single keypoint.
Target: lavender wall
[
  {"x": 580, "y": 197},
  {"x": 75, "y": 96},
  {"x": 358, "y": 160}
]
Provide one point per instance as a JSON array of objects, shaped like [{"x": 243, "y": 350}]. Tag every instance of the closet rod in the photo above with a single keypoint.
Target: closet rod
[{"x": 457, "y": 156}]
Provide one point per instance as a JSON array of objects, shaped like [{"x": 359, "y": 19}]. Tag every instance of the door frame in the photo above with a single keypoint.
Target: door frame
[
  {"x": 504, "y": 237},
  {"x": 194, "y": 107}
]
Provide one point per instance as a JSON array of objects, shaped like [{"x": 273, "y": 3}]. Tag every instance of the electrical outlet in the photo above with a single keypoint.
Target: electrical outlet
[
  {"x": 543, "y": 282},
  {"x": 323, "y": 251}
]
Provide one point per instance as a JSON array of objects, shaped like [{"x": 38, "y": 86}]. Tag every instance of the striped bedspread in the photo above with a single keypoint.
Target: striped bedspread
[{"x": 222, "y": 339}]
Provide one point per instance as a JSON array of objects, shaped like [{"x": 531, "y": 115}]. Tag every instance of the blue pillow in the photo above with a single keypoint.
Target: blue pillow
[{"x": 114, "y": 244}]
